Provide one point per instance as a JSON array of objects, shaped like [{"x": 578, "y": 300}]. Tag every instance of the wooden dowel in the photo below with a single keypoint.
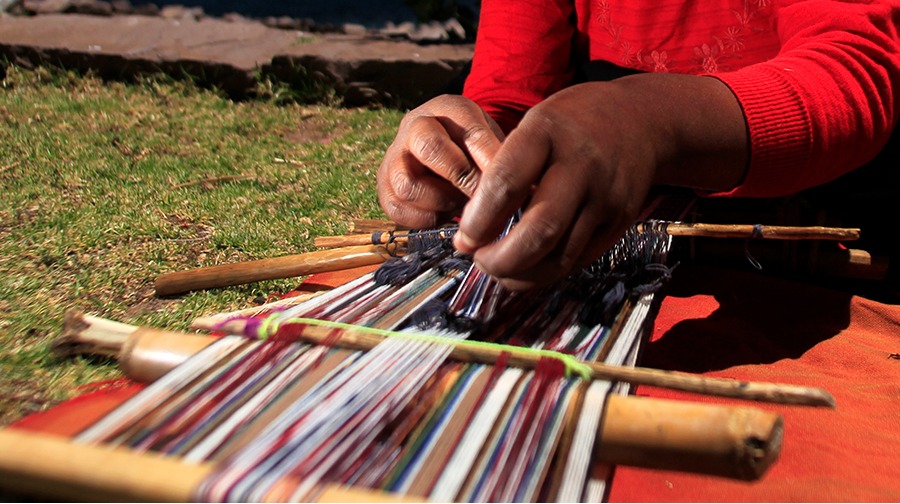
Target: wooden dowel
[
  {"x": 762, "y": 232},
  {"x": 373, "y": 225},
  {"x": 269, "y": 269},
  {"x": 673, "y": 228},
  {"x": 722, "y": 387}
]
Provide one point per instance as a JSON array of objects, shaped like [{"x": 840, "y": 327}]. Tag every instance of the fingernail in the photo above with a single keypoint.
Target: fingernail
[{"x": 463, "y": 243}]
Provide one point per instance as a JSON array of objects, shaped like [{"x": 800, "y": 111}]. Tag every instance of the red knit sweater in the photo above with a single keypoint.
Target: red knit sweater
[{"x": 818, "y": 80}]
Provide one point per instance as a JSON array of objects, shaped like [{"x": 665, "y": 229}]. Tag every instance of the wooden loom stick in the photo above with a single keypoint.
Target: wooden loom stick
[
  {"x": 351, "y": 240},
  {"x": 721, "y": 387},
  {"x": 763, "y": 232},
  {"x": 225, "y": 275},
  {"x": 77, "y": 326},
  {"x": 672, "y": 228},
  {"x": 143, "y": 353},
  {"x": 373, "y": 225}
]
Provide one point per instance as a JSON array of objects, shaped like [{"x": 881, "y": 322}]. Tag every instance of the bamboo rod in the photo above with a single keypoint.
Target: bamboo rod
[
  {"x": 731, "y": 442},
  {"x": 225, "y": 275},
  {"x": 51, "y": 466},
  {"x": 143, "y": 353}
]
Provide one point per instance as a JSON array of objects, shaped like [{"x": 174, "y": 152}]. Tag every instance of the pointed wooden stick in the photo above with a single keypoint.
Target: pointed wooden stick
[
  {"x": 211, "y": 322},
  {"x": 225, "y": 275}
]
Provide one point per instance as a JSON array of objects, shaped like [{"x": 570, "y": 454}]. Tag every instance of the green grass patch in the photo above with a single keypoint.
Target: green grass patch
[{"x": 107, "y": 185}]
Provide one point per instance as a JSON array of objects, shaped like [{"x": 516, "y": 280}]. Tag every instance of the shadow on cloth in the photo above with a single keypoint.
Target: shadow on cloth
[
  {"x": 711, "y": 324},
  {"x": 772, "y": 330}
]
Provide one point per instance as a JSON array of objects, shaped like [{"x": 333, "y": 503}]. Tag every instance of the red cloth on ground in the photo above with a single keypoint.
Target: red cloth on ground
[
  {"x": 750, "y": 327},
  {"x": 818, "y": 80}
]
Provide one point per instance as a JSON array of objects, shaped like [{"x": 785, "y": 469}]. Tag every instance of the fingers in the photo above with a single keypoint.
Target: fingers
[
  {"x": 552, "y": 218},
  {"x": 435, "y": 160},
  {"x": 481, "y": 141},
  {"x": 558, "y": 230},
  {"x": 435, "y": 147},
  {"x": 413, "y": 196},
  {"x": 505, "y": 184}
]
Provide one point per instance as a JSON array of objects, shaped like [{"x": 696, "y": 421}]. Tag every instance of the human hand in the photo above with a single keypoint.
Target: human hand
[
  {"x": 582, "y": 163},
  {"x": 435, "y": 161}
]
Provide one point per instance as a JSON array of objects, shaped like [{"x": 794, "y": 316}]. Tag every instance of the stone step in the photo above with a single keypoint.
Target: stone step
[{"x": 234, "y": 55}]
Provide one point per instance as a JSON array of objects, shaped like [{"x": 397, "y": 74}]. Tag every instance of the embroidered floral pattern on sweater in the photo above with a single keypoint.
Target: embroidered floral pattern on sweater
[{"x": 714, "y": 54}]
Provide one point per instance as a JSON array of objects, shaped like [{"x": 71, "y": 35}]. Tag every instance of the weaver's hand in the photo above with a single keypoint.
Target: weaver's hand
[
  {"x": 582, "y": 163},
  {"x": 434, "y": 163}
]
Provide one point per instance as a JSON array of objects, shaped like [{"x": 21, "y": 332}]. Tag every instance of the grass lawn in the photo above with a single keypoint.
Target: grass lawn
[{"x": 107, "y": 185}]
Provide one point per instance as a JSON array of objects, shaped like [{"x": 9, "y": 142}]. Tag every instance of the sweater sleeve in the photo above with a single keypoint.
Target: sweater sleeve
[
  {"x": 522, "y": 55},
  {"x": 827, "y": 103}
]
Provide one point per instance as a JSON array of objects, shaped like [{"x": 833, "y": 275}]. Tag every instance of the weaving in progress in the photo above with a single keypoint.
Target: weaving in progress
[
  {"x": 389, "y": 417},
  {"x": 426, "y": 379}
]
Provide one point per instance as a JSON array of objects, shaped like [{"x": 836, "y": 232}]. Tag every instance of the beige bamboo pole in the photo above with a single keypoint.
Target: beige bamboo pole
[
  {"x": 51, "y": 466},
  {"x": 225, "y": 275},
  {"x": 732, "y": 442},
  {"x": 144, "y": 353},
  {"x": 54, "y": 467}
]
